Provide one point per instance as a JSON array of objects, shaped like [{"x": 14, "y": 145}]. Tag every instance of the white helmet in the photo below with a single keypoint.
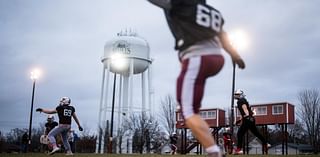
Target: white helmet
[
  {"x": 50, "y": 117},
  {"x": 239, "y": 94},
  {"x": 65, "y": 101}
]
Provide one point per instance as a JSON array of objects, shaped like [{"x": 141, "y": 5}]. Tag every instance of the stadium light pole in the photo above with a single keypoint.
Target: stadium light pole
[
  {"x": 239, "y": 40},
  {"x": 118, "y": 62},
  {"x": 34, "y": 76},
  {"x": 112, "y": 112}
]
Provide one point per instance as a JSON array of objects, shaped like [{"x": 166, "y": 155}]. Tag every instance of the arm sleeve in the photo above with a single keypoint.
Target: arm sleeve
[
  {"x": 241, "y": 102},
  {"x": 165, "y": 4}
]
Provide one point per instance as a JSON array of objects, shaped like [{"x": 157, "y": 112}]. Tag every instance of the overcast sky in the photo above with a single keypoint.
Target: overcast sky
[{"x": 65, "y": 38}]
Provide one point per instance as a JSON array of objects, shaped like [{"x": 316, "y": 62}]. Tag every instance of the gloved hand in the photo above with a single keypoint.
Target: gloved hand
[
  {"x": 238, "y": 122},
  {"x": 250, "y": 118},
  {"x": 239, "y": 62},
  {"x": 80, "y": 128},
  {"x": 39, "y": 109}
]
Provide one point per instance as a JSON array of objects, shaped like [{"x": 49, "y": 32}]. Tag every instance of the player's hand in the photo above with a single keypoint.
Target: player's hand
[
  {"x": 250, "y": 118},
  {"x": 238, "y": 122},
  {"x": 39, "y": 109},
  {"x": 80, "y": 128},
  {"x": 239, "y": 62}
]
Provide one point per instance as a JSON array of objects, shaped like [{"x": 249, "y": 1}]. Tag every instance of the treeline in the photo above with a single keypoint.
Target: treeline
[
  {"x": 12, "y": 141},
  {"x": 148, "y": 136},
  {"x": 144, "y": 129}
]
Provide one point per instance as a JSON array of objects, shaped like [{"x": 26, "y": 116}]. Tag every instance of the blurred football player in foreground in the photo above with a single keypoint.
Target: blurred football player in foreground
[{"x": 199, "y": 37}]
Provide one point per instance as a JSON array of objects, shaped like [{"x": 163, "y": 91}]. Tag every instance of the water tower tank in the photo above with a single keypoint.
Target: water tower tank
[{"x": 126, "y": 49}]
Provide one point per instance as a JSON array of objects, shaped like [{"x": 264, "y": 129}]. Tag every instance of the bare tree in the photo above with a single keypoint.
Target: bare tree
[
  {"x": 120, "y": 134},
  {"x": 168, "y": 112},
  {"x": 15, "y": 135},
  {"x": 310, "y": 114},
  {"x": 87, "y": 141},
  {"x": 145, "y": 131},
  {"x": 2, "y": 142},
  {"x": 297, "y": 132}
]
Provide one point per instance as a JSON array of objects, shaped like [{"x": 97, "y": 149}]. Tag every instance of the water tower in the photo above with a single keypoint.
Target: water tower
[{"x": 127, "y": 57}]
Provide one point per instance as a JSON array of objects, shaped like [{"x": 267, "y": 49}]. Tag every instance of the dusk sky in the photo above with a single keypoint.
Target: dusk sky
[{"x": 65, "y": 39}]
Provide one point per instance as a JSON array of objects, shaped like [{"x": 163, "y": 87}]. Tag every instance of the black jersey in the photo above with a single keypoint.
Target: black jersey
[
  {"x": 65, "y": 113},
  {"x": 242, "y": 101},
  {"x": 191, "y": 21},
  {"x": 173, "y": 139},
  {"x": 50, "y": 125}
]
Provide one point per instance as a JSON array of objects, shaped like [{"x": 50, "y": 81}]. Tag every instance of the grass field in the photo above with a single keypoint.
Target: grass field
[{"x": 135, "y": 155}]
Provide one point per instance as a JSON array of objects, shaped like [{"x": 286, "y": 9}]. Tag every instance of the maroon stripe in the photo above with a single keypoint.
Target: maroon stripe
[
  {"x": 198, "y": 87},
  {"x": 210, "y": 65}
]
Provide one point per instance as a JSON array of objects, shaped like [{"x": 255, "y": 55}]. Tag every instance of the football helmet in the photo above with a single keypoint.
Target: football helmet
[
  {"x": 65, "y": 101},
  {"x": 50, "y": 117},
  {"x": 239, "y": 94}
]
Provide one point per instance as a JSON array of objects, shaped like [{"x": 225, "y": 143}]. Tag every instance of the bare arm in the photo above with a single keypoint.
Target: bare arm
[
  {"x": 49, "y": 111},
  {"x": 76, "y": 119},
  {"x": 237, "y": 122},
  {"x": 245, "y": 109},
  {"x": 231, "y": 50},
  {"x": 165, "y": 4}
]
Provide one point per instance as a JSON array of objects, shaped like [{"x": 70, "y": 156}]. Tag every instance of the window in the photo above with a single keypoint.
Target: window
[
  {"x": 203, "y": 114},
  {"x": 277, "y": 109},
  {"x": 212, "y": 114},
  {"x": 259, "y": 110}
]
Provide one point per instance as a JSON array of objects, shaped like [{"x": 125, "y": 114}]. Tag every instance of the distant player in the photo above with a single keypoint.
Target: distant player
[
  {"x": 248, "y": 122},
  {"x": 199, "y": 36},
  {"x": 49, "y": 125},
  {"x": 65, "y": 112},
  {"x": 173, "y": 143},
  {"x": 24, "y": 142},
  {"x": 227, "y": 141}
]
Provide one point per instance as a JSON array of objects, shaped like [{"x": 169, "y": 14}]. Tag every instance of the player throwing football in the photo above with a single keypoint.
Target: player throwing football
[{"x": 65, "y": 112}]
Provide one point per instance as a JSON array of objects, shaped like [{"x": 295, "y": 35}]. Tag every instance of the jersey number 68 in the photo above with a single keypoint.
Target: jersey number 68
[{"x": 209, "y": 18}]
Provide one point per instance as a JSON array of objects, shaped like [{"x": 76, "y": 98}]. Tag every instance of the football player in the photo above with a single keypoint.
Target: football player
[
  {"x": 248, "y": 122},
  {"x": 173, "y": 143},
  {"x": 199, "y": 37},
  {"x": 65, "y": 113},
  {"x": 49, "y": 125}
]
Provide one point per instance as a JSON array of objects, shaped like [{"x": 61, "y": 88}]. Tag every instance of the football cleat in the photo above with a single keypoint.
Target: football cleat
[
  {"x": 238, "y": 152},
  {"x": 54, "y": 150}
]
